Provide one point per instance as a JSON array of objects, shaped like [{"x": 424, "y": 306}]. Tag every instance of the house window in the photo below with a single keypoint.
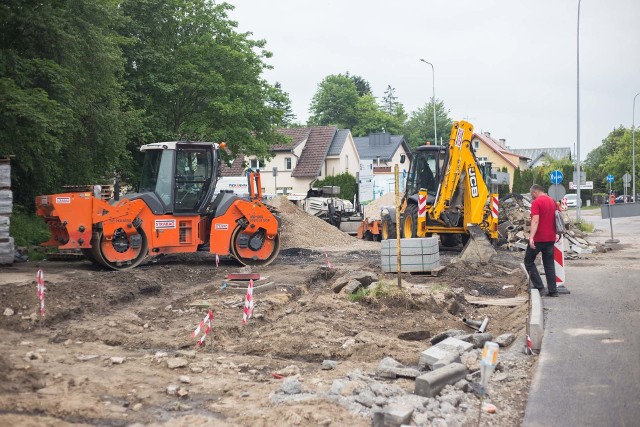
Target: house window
[
  {"x": 346, "y": 163},
  {"x": 483, "y": 159},
  {"x": 257, "y": 164},
  {"x": 287, "y": 163},
  {"x": 476, "y": 144}
]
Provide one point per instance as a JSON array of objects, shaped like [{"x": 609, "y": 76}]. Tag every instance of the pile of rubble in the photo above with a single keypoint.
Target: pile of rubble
[
  {"x": 444, "y": 393},
  {"x": 514, "y": 225}
]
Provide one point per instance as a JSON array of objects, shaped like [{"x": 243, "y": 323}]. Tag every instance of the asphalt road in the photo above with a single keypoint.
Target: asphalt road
[{"x": 588, "y": 372}]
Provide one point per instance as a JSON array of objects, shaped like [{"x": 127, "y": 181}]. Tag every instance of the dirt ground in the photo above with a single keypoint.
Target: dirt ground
[{"x": 100, "y": 355}]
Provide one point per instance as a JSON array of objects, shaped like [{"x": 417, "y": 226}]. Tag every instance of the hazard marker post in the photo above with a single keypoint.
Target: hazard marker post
[{"x": 558, "y": 259}]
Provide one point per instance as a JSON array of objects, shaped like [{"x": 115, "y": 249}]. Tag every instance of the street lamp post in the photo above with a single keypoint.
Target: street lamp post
[
  {"x": 578, "y": 117},
  {"x": 433, "y": 101},
  {"x": 633, "y": 147}
]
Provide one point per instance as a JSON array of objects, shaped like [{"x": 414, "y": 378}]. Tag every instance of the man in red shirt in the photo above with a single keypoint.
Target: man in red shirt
[{"x": 542, "y": 239}]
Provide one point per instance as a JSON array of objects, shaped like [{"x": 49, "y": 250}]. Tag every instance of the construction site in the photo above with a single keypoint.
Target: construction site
[{"x": 332, "y": 340}]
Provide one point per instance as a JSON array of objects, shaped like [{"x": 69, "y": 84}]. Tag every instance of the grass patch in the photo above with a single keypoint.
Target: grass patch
[
  {"x": 584, "y": 226},
  {"x": 382, "y": 291},
  {"x": 28, "y": 230}
]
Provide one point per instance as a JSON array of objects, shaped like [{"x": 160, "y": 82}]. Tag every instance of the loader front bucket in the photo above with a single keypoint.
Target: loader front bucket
[{"x": 478, "y": 249}]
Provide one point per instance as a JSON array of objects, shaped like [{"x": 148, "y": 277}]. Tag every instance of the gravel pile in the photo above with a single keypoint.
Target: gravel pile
[
  {"x": 372, "y": 210},
  {"x": 301, "y": 230}
]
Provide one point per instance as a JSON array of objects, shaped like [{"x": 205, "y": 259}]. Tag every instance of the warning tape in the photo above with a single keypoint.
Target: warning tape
[
  {"x": 40, "y": 287},
  {"x": 248, "y": 304},
  {"x": 206, "y": 321}
]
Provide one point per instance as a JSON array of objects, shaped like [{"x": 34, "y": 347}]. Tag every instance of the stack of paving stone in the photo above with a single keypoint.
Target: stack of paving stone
[{"x": 6, "y": 207}]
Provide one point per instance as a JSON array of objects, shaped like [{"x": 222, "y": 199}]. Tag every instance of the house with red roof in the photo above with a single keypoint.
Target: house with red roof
[
  {"x": 313, "y": 153},
  {"x": 489, "y": 149}
]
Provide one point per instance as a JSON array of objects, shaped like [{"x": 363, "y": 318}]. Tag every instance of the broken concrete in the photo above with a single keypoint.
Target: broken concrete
[
  {"x": 394, "y": 416},
  {"x": 431, "y": 383},
  {"x": 448, "y": 348},
  {"x": 391, "y": 368}
]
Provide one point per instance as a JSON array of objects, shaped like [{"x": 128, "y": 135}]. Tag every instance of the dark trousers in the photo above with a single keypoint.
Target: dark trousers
[{"x": 547, "y": 261}]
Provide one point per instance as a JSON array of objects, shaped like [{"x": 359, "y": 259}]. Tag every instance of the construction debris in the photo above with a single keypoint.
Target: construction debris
[{"x": 514, "y": 226}]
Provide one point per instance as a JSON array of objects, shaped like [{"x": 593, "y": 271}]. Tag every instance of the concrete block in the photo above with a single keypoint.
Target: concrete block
[
  {"x": 445, "y": 349},
  {"x": 390, "y": 368},
  {"x": 431, "y": 383},
  {"x": 392, "y": 416},
  {"x": 453, "y": 358},
  {"x": 536, "y": 320},
  {"x": 478, "y": 340}
]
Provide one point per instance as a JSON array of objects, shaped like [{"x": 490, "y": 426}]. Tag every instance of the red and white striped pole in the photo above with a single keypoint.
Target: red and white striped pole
[
  {"x": 495, "y": 206},
  {"x": 558, "y": 259},
  {"x": 40, "y": 287},
  {"x": 248, "y": 304}
]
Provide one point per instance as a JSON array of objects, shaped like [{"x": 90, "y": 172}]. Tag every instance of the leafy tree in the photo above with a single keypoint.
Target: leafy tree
[
  {"x": 390, "y": 100},
  {"x": 281, "y": 104},
  {"x": 195, "y": 77},
  {"x": 335, "y": 102},
  {"x": 371, "y": 118},
  {"x": 363, "y": 86},
  {"x": 419, "y": 127},
  {"x": 613, "y": 156},
  {"x": 63, "y": 113},
  {"x": 345, "y": 181}
]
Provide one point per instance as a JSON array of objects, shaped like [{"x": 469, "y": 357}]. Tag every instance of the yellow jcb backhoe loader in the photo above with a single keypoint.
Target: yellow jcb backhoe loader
[{"x": 446, "y": 194}]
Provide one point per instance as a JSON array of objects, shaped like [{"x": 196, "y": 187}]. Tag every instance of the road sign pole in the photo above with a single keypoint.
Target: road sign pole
[{"x": 612, "y": 240}]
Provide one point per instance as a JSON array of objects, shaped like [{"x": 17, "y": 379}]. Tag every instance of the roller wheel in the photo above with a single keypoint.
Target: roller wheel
[
  {"x": 388, "y": 229},
  {"x": 121, "y": 252},
  {"x": 252, "y": 248},
  {"x": 88, "y": 254},
  {"x": 410, "y": 222}
]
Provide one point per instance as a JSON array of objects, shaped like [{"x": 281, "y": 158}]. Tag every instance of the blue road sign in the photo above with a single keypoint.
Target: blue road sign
[
  {"x": 609, "y": 178},
  {"x": 556, "y": 177}
]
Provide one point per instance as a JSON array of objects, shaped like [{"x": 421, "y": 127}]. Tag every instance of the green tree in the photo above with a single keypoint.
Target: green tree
[
  {"x": 363, "y": 86},
  {"x": 345, "y": 181},
  {"x": 63, "y": 113},
  {"x": 419, "y": 127},
  {"x": 335, "y": 102},
  {"x": 195, "y": 77},
  {"x": 281, "y": 104},
  {"x": 613, "y": 156}
]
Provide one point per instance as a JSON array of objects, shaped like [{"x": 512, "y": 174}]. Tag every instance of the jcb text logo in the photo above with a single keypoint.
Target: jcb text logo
[{"x": 473, "y": 181}]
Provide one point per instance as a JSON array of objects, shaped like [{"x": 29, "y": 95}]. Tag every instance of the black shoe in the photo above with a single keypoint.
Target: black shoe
[{"x": 551, "y": 294}]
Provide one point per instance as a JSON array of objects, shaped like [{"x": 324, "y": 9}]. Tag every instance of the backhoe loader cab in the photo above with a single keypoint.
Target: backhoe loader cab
[
  {"x": 174, "y": 212},
  {"x": 426, "y": 170}
]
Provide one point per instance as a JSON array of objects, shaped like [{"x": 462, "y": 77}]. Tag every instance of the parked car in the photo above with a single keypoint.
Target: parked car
[
  {"x": 572, "y": 200},
  {"x": 624, "y": 199}
]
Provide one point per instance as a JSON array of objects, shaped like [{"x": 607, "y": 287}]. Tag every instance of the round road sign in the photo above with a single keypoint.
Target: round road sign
[
  {"x": 557, "y": 192},
  {"x": 556, "y": 177}
]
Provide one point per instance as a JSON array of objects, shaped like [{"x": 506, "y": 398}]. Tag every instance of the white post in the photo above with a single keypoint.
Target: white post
[{"x": 433, "y": 102}]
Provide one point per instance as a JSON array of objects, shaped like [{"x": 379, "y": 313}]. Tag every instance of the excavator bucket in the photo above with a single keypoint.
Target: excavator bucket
[{"x": 478, "y": 249}]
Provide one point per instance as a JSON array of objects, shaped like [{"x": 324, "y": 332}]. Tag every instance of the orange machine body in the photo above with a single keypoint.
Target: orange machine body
[{"x": 121, "y": 234}]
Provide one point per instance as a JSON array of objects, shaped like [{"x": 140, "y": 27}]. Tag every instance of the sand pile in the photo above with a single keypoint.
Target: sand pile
[
  {"x": 301, "y": 230},
  {"x": 372, "y": 210}
]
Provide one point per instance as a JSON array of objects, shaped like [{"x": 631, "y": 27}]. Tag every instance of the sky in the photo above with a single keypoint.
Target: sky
[{"x": 506, "y": 66}]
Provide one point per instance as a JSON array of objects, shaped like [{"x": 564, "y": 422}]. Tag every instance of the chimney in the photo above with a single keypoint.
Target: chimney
[
  {"x": 487, "y": 134},
  {"x": 503, "y": 142}
]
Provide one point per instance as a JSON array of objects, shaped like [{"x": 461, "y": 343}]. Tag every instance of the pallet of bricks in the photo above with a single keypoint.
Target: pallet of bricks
[{"x": 6, "y": 207}]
